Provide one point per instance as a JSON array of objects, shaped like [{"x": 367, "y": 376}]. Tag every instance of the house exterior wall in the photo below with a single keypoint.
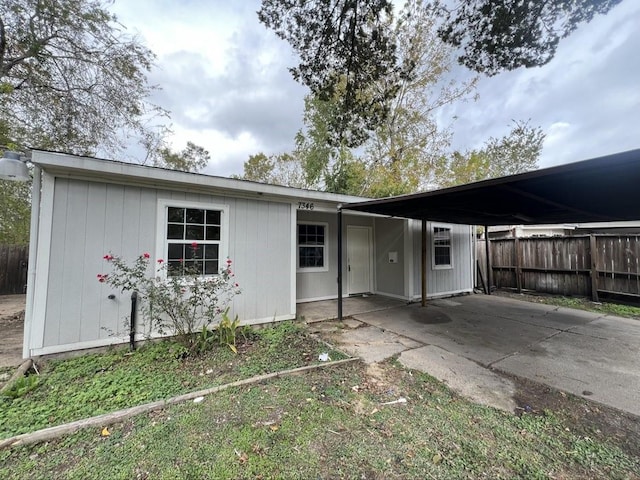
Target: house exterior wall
[
  {"x": 443, "y": 282},
  {"x": 90, "y": 219},
  {"x": 312, "y": 286},
  {"x": 91, "y": 207},
  {"x": 389, "y": 237}
]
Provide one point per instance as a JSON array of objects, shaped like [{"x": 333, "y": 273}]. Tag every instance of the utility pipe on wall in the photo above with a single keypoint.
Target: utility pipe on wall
[{"x": 132, "y": 323}]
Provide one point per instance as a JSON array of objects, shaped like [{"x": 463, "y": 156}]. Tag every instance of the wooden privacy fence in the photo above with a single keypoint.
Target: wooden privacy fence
[
  {"x": 13, "y": 268},
  {"x": 579, "y": 265}
]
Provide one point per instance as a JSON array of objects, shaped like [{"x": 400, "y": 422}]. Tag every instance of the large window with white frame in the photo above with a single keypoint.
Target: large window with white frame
[
  {"x": 312, "y": 247},
  {"x": 193, "y": 237},
  {"x": 441, "y": 252}
]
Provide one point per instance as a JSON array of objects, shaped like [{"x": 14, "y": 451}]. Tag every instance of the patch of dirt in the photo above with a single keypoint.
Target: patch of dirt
[
  {"x": 11, "y": 326},
  {"x": 586, "y": 417}
]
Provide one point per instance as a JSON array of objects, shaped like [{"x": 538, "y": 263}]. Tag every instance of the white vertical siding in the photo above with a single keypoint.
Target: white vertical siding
[
  {"x": 443, "y": 281},
  {"x": 389, "y": 237},
  {"x": 91, "y": 219}
]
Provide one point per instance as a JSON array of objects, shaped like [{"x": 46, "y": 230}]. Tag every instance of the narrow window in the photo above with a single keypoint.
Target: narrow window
[
  {"x": 441, "y": 253},
  {"x": 186, "y": 226},
  {"x": 312, "y": 246}
]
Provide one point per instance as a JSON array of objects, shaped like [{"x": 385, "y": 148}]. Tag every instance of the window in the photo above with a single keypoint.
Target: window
[
  {"x": 185, "y": 225},
  {"x": 441, "y": 253},
  {"x": 312, "y": 246}
]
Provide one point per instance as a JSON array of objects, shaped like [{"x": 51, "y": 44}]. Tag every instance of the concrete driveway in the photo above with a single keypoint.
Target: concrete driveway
[{"x": 587, "y": 354}]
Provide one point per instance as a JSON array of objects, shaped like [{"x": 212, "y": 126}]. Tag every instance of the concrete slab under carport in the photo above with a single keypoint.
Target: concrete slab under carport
[
  {"x": 328, "y": 309},
  {"x": 579, "y": 352}
]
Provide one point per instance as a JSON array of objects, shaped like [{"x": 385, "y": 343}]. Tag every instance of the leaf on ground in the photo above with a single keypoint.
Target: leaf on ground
[
  {"x": 437, "y": 458},
  {"x": 105, "y": 432},
  {"x": 242, "y": 456}
]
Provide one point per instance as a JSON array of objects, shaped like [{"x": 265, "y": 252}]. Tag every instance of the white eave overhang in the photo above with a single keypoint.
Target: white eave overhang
[{"x": 92, "y": 169}]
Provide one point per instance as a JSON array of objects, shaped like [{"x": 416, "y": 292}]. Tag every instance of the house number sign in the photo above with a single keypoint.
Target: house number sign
[{"x": 305, "y": 205}]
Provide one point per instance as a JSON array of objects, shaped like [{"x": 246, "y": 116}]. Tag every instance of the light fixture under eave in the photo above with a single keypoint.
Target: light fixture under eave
[{"x": 13, "y": 168}]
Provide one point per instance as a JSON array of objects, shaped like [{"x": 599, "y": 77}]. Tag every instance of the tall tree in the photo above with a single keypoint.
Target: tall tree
[
  {"x": 353, "y": 37},
  {"x": 192, "y": 158},
  {"x": 516, "y": 152},
  {"x": 70, "y": 78},
  {"x": 341, "y": 44},
  {"x": 282, "y": 169},
  {"x": 497, "y": 35},
  {"x": 404, "y": 147}
]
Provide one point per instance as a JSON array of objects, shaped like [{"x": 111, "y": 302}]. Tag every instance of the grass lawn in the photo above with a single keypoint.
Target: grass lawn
[
  {"x": 94, "y": 384},
  {"x": 342, "y": 421},
  {"x": 581, "y": 303}
]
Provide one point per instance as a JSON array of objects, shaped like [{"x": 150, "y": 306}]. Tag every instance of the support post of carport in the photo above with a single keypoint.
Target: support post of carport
[
  {"x": 339, "y": 262},
  {"x": 423, "y": 263},
  {"x": 487, "y": 251}
]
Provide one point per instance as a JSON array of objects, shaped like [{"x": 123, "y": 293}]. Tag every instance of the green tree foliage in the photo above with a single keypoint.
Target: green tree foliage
[
  {"x": 258, "y": 168},
  {"x": 192, "y": 158},
  {"x": 342, "y": 44},
  {"x": 517, "y": 152},
  {"x": 354, "y": 37},
  {"x": 325, "y": 165},
  {"x": 15, "y": 209},
  {"x": 404, "y": 147},
  {"x": 497, "y": 35},
  {"x": 282, "y": 169},
  {"x": 70, "y": 78}
]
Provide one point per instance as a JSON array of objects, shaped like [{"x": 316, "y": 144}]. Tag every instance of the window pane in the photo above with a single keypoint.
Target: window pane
[
  {"x": 210, "y": 267},
  {"x": 176, "y": 251},
  {"x": 213, "y": 217},
  {"x": 194, "y": 232},
  {"x": 311, "y": 257},
  {"x": 174, "y": 269},
  {"x": 175, "y": 232},
  {"x": 442, "y": 255},
  {"x": 176, "y": 215},
  {"x": 191, "y": 267},
  {"x": 194, "y": 252},
  {"x": 211, "y": 252},
  {"x": 195, "y": 216},
  {"x": 213, "y": 233}
]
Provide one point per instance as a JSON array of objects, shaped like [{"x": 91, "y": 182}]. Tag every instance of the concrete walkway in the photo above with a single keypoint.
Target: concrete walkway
[{"x": 587, "y": 354}]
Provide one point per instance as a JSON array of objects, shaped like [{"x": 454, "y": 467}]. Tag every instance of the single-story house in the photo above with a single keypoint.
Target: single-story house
[{"x": 282, "y": 241}]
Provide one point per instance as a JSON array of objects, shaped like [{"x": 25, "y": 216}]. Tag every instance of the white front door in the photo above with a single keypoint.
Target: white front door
[{"x": 358, "y": 259}]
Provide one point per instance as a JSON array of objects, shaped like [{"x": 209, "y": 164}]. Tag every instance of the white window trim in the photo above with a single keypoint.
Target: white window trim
[
  {"x": 161, "y": 228},
  {"x": 325, "y": 248},
  {"x": 433, "y": 246}
]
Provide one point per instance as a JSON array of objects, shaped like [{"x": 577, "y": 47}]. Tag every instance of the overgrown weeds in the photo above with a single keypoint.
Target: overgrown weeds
[{"x": 94, "y": 384}]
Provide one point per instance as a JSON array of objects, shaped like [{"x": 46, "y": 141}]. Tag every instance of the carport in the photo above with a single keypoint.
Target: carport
[
  {"x": 580, "y": 352},
  {"x": 603, "y": 189}
]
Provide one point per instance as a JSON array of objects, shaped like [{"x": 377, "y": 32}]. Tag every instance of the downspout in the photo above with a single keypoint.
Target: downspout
[
  {"x": 339, "y": 262},
  {"x": 132, "y": 323},
  {"x": 31, "y": 269}
]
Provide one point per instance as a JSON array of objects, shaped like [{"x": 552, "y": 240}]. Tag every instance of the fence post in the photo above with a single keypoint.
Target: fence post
[
  {"x": 593, "y": 252},
  {"x": 518, "y": 263},
  {"x": 487, "y": 249}
]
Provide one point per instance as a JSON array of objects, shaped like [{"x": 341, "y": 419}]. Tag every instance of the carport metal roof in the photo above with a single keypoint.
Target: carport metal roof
[{"x": 601, "y": 189}]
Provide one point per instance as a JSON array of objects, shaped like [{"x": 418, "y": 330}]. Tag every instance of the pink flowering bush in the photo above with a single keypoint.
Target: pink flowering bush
[{"x": 176, "y": 305}]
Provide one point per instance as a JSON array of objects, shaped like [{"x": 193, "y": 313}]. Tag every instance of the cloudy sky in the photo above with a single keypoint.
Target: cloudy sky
[{"x": 224, "y": 78}]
